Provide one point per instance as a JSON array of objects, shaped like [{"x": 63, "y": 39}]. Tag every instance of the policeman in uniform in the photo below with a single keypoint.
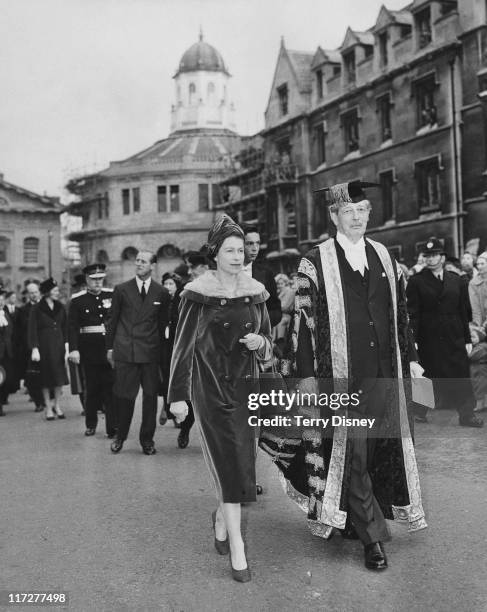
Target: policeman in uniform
[
  {"x": 439, "y": 312},
  {"x": 88, "y": 314}
]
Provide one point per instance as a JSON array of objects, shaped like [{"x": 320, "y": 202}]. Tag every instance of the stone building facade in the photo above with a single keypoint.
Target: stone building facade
[
  {"x": 163, "y": 198},
  {"x": 30, "y": 242},
  {"x": 402, "y": 104}
]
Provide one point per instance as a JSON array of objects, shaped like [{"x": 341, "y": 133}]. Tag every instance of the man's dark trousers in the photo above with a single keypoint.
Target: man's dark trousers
[
  {"x": 135, "y": 375},
  {"x": 98, "y": 378}
]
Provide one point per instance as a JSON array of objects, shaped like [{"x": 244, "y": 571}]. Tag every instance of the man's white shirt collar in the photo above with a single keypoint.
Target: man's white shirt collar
[
  {"x": 354, "y": 252},
  {"x": 139, "y": 282},
  {"x": 248, "y": 269}
]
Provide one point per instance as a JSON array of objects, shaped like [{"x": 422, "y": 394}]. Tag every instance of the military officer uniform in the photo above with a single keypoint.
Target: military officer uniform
[{"x": 88, "y": 314}]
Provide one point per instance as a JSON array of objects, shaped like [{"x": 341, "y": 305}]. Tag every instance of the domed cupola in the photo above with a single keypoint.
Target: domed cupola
[
  {"x": 202, "y": 100},
  {"x": 201, "y": 56}
]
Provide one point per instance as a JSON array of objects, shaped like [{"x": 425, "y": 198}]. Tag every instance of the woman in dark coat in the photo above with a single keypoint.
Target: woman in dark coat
[
  {"x": 173, "y": 283},
  {"x": 47, "y": 340},
  {"x": 223, "y": 330},
  {"x": 6, "y": 353}
]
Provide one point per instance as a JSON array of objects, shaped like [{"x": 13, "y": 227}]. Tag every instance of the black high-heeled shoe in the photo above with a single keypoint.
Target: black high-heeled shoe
[
  {"x": 222, "y": 546},
  {"x": 242, "y": 575}
]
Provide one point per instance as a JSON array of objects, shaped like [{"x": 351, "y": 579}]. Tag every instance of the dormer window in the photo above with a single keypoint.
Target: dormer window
[
  {"x": 283, "y": 99},
  {"x": 383, "y": 42},
  {"x": 319, "y": 84},
  {"x": 423, "y": 27},
  {"x": 368, "y": 51},
  {"x": 448, "y": 6},
  {"x": 405, "y": 31},
  {"x": 349, "y": 65}
]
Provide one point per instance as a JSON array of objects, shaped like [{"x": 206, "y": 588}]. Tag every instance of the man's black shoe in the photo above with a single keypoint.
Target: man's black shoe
[
  {"x": 471, "y": 421},
  {"x": 349, "y": 533},
  {"x": 149, "y": 450},
  {"x": 90, "y": 431},
  {"x": 38, "y": 408},
  {"x": 116, "y": 446},
  {"x": 375, "y": 557},
  {"x": 183, "y": 439},
  {"x": 258, "y": 489}
]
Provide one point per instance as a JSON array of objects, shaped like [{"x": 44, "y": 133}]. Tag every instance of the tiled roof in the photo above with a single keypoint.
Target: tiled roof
[
  {"x": 301, "y": 62},
  {"x": 198, "y": 145}
]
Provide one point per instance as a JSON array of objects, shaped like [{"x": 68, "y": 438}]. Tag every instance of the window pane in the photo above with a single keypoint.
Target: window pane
[
  {"x": 161, "y": 198},
  {"x": 31, "y": 250},
  {"x": 203, "y": 197},
  {"x": 174, "y": 205},
  {"x": 3, "y": 250},
  {"x": 136, "y": 198},
  {"x": 126, "y": 201},
  {"x": 386, "y": 183},
  {"x": 216, "y": 195}
]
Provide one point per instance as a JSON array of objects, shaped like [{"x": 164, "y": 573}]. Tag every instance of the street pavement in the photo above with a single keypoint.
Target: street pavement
[{"x": 131, "y": 532}]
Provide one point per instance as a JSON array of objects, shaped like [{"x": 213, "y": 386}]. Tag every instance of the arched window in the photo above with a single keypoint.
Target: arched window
[
  {"x": 4, "y": 248},
  {"x": 192, "y": 93},
  {"x": 211, "y": 93},
  {"x": 129, "y": 253},
  {"x": 168, "y": 251},
  {"x": 31, "y": 250},
  {"x": 102, "y": 257}
]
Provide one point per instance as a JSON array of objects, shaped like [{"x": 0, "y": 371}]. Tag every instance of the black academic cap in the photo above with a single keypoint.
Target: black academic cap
[{"x": 345, "y": 193}]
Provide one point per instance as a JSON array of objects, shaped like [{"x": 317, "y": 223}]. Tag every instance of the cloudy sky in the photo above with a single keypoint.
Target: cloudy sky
[{"x": 84, "y": 82}]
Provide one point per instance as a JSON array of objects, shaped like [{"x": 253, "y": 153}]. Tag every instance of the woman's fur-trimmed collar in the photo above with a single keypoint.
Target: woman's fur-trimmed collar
[{"x": 209, "y": 285}]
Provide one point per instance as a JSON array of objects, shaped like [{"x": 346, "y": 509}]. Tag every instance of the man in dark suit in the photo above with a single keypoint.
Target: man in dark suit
[
  {"x": 138, "y": 316},
  {"x": 439, "y": 312},
  {"x": 261, "y": 273}
]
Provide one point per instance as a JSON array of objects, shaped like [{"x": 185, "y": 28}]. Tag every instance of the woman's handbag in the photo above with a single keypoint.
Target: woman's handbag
[
  {"x": 272, "y": 381},
  {"x": 32, "y": 372}
]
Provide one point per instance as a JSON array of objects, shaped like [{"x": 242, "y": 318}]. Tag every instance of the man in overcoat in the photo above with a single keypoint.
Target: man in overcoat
[
  {"x": 350, "y": 335},
  {"x": 438, "y": 305},
  {"x": 138, "y": 317},
  {"x": 31, "y": 379}
]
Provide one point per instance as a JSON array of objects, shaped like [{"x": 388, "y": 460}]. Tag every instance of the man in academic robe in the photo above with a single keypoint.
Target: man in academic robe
[{"x": 350, "y": 335}]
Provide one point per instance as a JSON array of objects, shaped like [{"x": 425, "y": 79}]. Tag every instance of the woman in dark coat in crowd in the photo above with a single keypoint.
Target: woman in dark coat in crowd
[
  {"x": 173, "y": 283},
  {"x": 6, "y": 353},
  {"x": 47, "y": 341},
  {"x": 223, "y": 330}
]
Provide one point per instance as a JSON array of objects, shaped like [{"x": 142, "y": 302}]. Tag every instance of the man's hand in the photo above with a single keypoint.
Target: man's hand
[
  {"x": 110, "y": 358},
  {"x": 35, "y": 356},
  {"x": 74, "y": 356},
  {"x": 179, "y": 410},
  {"x": 415, "y": 369},
  {"x": 252, "y": 341}
]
